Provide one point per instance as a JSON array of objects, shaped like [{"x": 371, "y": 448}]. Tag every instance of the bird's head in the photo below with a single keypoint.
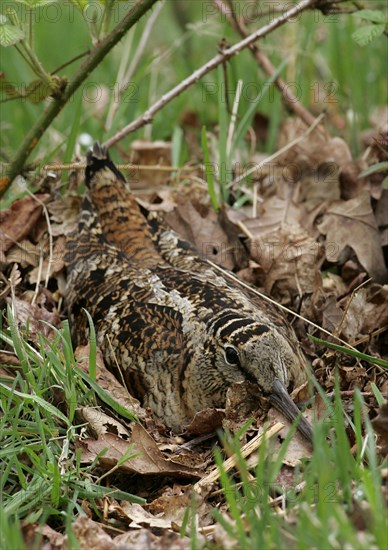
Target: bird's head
[{"x": 263, "y": 356}]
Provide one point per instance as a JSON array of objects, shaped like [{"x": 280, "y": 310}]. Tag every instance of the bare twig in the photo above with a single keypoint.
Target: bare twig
[
  {"x": 141, "y": 167},
  {"x": 289, "y": 98},
  {"x": 55, "y": 107},
  {"x": 233, "y": 118},
  {"x": 231, "y": 462},
  {"x": 221, "y": 57}
]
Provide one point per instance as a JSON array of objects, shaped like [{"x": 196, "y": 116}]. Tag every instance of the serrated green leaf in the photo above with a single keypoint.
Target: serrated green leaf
[
  {"x": 376, "y": 16},
  {"x": 8, "y": 88},
  {"x": 35, "y": 3},
  {"x": 366, "y": 34},
  {"x": 37, "y": 91},
  {"x": 80, "y": 4},
  {"x": 10, "y": 35}
]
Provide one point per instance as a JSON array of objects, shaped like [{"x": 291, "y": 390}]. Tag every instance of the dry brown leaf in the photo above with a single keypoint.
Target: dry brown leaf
[
  {"x": 332, "y": 315},
  {"x": 24, "y": 253},
  {"x": 316, "y": 150},
  {"x": 352, "y": 223},
  {"x": 64, "y": 214},
  {"x": 375, "y": 312},
  {"x": 214, "y": 236},
  {"x": 222, "y": 537},
  {"x": 145, "y": 539},
  {"x": 298, "y": 448},
  {"x": 381, "y": 211},
  {"x": 91, "y": 535},
  {"x": 360, "y": 315},
  {"x": 54, "y": 266},
  {"x": 161, "y": 201},
  {"x": 48, "y": 537},
  {"x": 171, "y": 507},
  {"x": 35, "y": 316},
  {"x": 206, "y": 421},
  {"x": 109, "y": 382},
  {"x": 149, "y": 461},
  {"x": 273, "y": 213},
  {"x": 351, "y": 327},
  {"x": 8, "y": 358},
  {"x": 290, "y": 261},
  {"x": 140, "y": 517},
  {"x": 17, "y": 221},
  {"x": 100, "y": 423}
]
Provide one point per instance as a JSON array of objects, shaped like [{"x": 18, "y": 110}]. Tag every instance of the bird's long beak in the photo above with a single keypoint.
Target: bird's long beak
[{"x": 283, "y": 403}]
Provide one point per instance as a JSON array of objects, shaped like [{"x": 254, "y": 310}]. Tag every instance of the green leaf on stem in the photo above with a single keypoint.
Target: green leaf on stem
[{"x": 9, "y": 34}]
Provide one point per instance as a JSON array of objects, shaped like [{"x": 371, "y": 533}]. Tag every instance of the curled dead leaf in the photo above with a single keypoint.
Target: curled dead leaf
[
  {"x": 35, "y": 317},
  {"x": 149, "y": 459},
  {"x": 290, "y": 260},
  {"x": 90, "y": 534},
  {"x": 213, "y": 235},
  {"x": 352, "y": 223},
  {"x": 205, "y": 422},
  {"x": 17, "y": 221},
  {"x": 109, "y": 382}
]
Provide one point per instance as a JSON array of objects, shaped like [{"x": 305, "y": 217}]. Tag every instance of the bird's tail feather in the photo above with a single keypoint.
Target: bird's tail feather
[{"x": 122, "y": 222}]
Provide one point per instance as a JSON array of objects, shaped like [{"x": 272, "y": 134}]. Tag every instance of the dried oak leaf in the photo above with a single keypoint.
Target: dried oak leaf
[
  {"x": 17, "y": 221},
  {"x": 53, "y": 264},
  {"x": 214, "y": 235},
  {"x": 149, "y": 459},
  {"x": 298, "y": 448},
  {"x": 24, "y": 253},
  {"x": 142, "y": 539},
  {"x": 100, "y": 423},
  {"x": 352, "y": 223},
  {"x": 290, "y": 260},
  {"x": 109, "y": 382},
  {"x": 36, "y": 317},
  {"x": 206, "y": 421},
  {"x": 90, "y": 534},
  {"x": 48, "y": 537},
  {"x": 64, "y": 214},
  {"x": 275, "y": 212}
]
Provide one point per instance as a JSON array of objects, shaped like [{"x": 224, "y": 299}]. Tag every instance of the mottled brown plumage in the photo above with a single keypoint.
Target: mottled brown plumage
[{"x": 177, "y": 331}]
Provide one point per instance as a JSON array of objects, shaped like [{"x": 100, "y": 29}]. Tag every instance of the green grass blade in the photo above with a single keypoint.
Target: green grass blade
[
  {"x": 353, "y": 353},
  {"x": 106, "y": 398},
  {"x": 93, "y": 347}
]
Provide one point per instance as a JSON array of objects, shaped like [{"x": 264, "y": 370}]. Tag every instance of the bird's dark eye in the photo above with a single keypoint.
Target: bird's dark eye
[{"x": 231, "y": 356}]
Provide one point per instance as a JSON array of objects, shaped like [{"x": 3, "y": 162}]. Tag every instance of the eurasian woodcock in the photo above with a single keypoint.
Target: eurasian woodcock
[{"x": 177, "y": 331}]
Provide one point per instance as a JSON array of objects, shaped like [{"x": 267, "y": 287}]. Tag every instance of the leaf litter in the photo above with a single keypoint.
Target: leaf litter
[{"x": 317, "y": 243}]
